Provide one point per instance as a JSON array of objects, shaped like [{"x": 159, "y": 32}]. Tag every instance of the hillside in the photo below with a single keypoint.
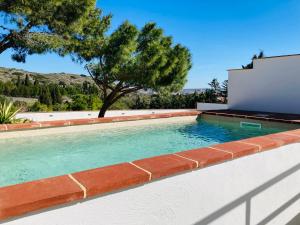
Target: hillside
[{"x": 8, "y": 74}]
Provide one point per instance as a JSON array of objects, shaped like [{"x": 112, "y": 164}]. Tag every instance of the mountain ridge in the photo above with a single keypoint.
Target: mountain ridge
[{"x": 11, "y": 74}]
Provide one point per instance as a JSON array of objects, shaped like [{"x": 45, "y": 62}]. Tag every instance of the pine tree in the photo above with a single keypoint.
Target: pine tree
[
  {"x": 40, "y": 26},
  {"x": 27, "y": 82},
  {"x": 19, "y": 81},
  {"x": 133, "y": 60},
  {"x": 45, "y": 96},
  {"x": 56, "y": 95}
]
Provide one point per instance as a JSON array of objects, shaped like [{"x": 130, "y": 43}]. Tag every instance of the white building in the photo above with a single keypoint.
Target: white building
[{"x": 273, "y": 85}]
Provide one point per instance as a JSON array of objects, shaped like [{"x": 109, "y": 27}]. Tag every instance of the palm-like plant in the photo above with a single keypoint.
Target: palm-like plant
[{"x": 7, "y": 112}]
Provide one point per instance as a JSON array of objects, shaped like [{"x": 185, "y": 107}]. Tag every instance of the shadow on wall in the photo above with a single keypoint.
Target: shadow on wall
[
  {"x": 246, "y": 199},
  {"x": 295, "y": 220}
]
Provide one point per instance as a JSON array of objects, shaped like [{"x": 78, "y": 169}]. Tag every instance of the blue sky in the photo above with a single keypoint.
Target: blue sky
[{"x": 220, "y": 34}]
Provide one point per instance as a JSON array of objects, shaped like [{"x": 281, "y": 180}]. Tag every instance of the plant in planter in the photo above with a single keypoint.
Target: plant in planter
[{"x": 8, "y": 113}]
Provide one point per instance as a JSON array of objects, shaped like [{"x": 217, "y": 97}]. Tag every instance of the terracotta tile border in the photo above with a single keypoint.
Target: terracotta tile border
[
  {"x": 19, "y": 199},
  {"x": 73, "y": 122}
]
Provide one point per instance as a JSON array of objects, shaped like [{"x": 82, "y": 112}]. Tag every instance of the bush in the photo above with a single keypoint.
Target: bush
[
  {"x": 60, "y": 107},
  {"x": 79, "y": 102},
  {"x": 39, "y": 107},
  {"x": 119, "y": 105},
  {"x": 94, "y": 102}
]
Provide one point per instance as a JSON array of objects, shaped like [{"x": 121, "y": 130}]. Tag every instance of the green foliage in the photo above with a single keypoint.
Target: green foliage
[
  {"x": 39, "y": 107},
  {"x": 210, "y": 96},
  {"x": 215, "y": 86},
  {"x": 56, "y": 95},
  {"x": 7, "y": 112},
  {"x": 224, "y": 90},
  {"x": 259, "y": 56},
  {"x": 45, "y": 96},
  {"x": 79, "y": 102},
  {"x": 119, "y": 105},
  {"x": 39, "y": 26},
  {"x": 82, "y": 97},
  {"x": 166, "y": 101},
  {"x": 216, "y": 93},
  {"x": 94, "y": 102},
  {"x": 2, "y": 99},
  {"x": 132, "y": 59},
  {"x": 60, "y": 107},
  {"x": 85, "y": 102},
  {"x": 50, "y": 94}
]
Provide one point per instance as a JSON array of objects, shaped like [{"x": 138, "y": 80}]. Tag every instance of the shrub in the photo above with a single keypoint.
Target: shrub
[
  {"x": 79, "y": 102},
  {"x": 60, "y": 107},
  {"x": 95, "y": 102},
  {"x": 22, "y": 105},
  {"x": 119, "y": 105},
  {"x": 39, "y": 107}
]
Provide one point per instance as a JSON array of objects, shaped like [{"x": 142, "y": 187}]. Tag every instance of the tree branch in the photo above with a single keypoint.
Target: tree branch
[
  {"x": 125, "y": 92},
  {"x": 4, "y": 46},
  {"x": 5, "y": 28},
  {"x": 8, "y": 41}
]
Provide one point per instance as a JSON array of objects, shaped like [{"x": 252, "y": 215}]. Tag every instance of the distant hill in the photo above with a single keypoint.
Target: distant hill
[{"x": 9, "y": 74}]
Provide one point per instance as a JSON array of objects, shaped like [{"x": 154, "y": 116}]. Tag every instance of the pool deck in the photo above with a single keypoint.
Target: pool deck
[
  {"x": 268, "y": 116},
  {"x": 29, "y": 197}
]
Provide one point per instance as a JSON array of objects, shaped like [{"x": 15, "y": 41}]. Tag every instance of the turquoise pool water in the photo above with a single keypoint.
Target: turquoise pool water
[{"x": 33, "y": 158}]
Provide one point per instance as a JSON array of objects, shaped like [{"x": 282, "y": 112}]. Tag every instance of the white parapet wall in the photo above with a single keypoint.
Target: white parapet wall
[
  {"x": 259, "y": 189},
  {"x": 211, "y": 106},
  {"x": 273, "y": 85},
  {"x": 50, "y": 116}
]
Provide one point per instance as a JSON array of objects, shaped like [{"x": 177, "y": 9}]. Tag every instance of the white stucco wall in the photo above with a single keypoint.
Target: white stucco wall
[
  {"x": 260, "y": 189},
  {"x": 40, "y": 116},
  {"x": 273, "y": 85},
  {"x": 211, "y": 106}
]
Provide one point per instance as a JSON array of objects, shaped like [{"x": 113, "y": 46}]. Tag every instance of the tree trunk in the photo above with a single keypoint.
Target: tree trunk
[
  {"x": 110, "y": 100},
  {"x": 103, "y": 110}
]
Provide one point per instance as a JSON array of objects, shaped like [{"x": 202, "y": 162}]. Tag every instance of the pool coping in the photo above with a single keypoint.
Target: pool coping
[
  {"x": 20, "y": 199},
  {"x": 87, "y": 121}
]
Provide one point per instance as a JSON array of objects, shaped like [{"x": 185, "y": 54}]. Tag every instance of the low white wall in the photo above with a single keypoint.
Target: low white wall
[
  {"x": 271, "y": 86},
  {"x": 211, "y": 106},
  {"x": 259, "y": 189},
  {"x": 90, "y": 114}
]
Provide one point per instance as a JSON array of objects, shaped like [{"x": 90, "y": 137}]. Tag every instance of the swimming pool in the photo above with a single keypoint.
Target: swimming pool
[{"x": 36, "y": 157}]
